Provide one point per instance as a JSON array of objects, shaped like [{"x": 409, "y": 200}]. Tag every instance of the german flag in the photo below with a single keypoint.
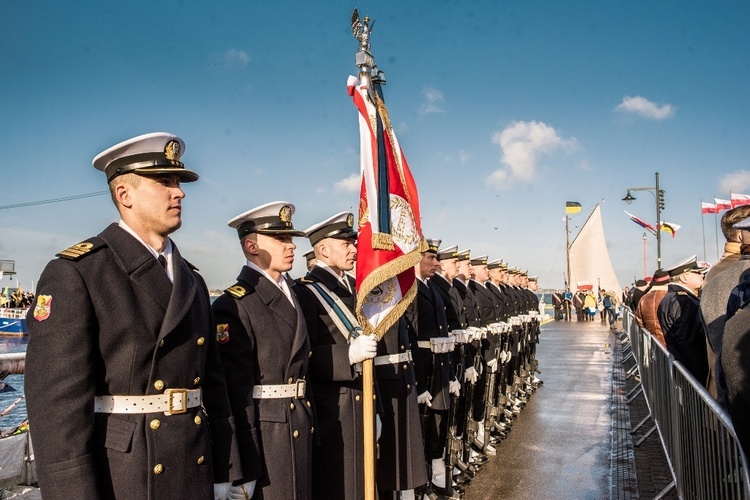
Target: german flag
[{"x": 572, "y": 207}]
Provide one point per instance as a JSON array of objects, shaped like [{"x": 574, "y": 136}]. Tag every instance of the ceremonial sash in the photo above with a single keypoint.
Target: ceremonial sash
[{"x": 341, "y": 316}]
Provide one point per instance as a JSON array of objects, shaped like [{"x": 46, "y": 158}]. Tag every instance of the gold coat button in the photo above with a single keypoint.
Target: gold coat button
[
  {"x": 155, "y": 424},
  {"x": 159, "y": 385},
  {"x": 408, "y": 386},
  {"x": 356, "y": 398},
  {"x": 295, "y": 434},
  {"x": 161, "y": 343},
  {"x": 196, "y": 380},
  {"x": 197, "y": 420},
  {"x": 406, "y": 367},
  {"x": 291, "y": 406},
  {"x": 309, "y": 354},
  {"x": 312, "y": 429},
  {"x": 291, "y": 380},
  {"x": 200, "y": 459},
  {"x": 201, "y": 340},
  {"x": 402, "y": 347},
  {"x": 158, "y": 469},
  {"x": 374, "y": 396},
  {"x": 308, "y": 404}
]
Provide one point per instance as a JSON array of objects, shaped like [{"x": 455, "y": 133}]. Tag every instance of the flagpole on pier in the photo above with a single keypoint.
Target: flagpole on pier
[{"x": 703, "y": 227}]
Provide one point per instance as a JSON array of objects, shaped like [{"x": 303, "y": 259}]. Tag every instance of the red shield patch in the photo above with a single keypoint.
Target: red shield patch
[
  {"x": 222, "y": 333},
  {"x": 43, "y": 307}
]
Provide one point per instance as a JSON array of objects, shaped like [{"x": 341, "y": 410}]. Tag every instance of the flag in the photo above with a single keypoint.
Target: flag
[
  {"x": 722, "y": 204},
  {"x": 709, "y": 208},
  {"x": 739, "y": 199},
  {"x": 390, "y": 238},
  {"x": 670, "y": 227},
  {"x": 641, "y": 222},
  {"x": 572, "y": 207}
]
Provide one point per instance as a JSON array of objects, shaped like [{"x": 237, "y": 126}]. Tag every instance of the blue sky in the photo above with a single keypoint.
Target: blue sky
[{"x": 505, "y": 111}]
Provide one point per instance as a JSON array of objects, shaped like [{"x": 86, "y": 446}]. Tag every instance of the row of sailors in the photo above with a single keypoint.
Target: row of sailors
[{"x": 128, "y": 397}]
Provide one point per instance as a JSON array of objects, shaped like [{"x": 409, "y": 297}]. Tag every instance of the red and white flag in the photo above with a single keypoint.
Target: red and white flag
[
  {"x": 722, "y": 204},
  {"x": 740, "y": 199},
  {"x": 641, "y": 222},
  {"x": 709, "y": 208},
  {"x": 390, "y": 238}
]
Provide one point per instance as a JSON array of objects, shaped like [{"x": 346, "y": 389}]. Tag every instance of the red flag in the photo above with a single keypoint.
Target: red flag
[
  {"x": 722, "y": 204},
  {"x": 390, "y": 238},
  {"x": 740, "y": 199},
  {"x": 709, "y": 208},
  {"x": 641, "y": 222}
]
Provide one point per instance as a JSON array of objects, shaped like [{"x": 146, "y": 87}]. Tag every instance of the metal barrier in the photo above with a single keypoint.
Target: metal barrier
[{"x": 697, "y": 435}]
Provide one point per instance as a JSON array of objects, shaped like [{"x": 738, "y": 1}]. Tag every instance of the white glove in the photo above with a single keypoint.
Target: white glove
[
  {"x": 508, "y": 356},
  {"x": 492, "y": 365},
  {"x": 378, "y": 427},
  {"x": 242, "y": 491},
  {"x": 503, "y": 357},
  {"x": 454, "y": 387},
  {"x": 362, "y": 348},
  {"x": 221, "y": 490},
  {"x": 471, "y": 375},
  {"x": 424, "y": 399}
]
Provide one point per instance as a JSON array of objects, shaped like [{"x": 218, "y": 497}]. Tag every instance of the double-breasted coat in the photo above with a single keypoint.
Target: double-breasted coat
[
  {"x": 338, "y": 462},
  {"x": 263, "y": 341},
  {"x": 108, "y": 321}
]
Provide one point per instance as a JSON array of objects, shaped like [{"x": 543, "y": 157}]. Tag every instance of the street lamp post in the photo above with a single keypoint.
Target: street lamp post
[
  {"x": 659, "y": 199},
  {"x": 644, "y": 254}
]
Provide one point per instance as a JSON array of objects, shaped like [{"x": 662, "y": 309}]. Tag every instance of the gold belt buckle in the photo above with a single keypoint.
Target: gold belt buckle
[
  {"x": 170, "y": 401},
  {"x": 301, "y": 384}
]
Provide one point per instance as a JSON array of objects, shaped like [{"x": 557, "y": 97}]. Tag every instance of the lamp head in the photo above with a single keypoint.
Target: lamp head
[{"x": 629, "y": 198}]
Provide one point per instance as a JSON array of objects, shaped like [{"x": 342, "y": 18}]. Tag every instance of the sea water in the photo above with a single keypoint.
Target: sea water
[{"x": 18, "y": 414}]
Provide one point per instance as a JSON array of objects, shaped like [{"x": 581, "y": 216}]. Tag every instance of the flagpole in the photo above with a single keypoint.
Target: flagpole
[
  {"x": 369, "y": 75},
  {"x": 567, "y": 252},
  {"x": 716, "y": 230},
  {"x": 703, "y": 227}
]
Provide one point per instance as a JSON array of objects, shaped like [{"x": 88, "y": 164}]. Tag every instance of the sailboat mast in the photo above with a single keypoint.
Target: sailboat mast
[{"x": 567, "y": 250}]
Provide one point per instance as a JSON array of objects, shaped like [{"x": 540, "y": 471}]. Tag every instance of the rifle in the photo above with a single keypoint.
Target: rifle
[
  {"x": 471, "y": 426},
  {"x": 490, "y": 407},
  {"x": 454, "y": 445}
]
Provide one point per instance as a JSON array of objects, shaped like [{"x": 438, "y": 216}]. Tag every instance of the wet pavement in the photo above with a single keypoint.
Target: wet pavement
[{"x": 561, "y": 443}]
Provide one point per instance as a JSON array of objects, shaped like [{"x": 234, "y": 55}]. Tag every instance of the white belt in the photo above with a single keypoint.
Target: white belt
[
  {"x": 424, "y": 344},
  {"x": 172, "y": 402},
  {"x": 296, "y": 390},
  {"x": 394, "y": 359}
]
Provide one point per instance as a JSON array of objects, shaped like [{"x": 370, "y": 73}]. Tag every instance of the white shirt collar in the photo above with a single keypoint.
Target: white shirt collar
[
  {"x": 281, "y": 283},
  {"x": 167, "y": 253}
]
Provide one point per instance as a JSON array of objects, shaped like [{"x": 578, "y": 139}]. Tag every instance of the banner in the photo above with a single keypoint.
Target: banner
[
  {"x": 390, "y": 238},
  {"x": 722, "y": 204},
  {"x": 709, "y": 208},
  {"x": 670, "y": 227},
  {"x": 739, "y": 199},
  {"x": 572, "y": 207}
]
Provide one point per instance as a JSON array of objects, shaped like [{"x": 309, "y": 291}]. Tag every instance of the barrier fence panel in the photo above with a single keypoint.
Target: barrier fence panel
[
  {"x": 697, "y": 435},
  {"x": 713, "y": 465}
]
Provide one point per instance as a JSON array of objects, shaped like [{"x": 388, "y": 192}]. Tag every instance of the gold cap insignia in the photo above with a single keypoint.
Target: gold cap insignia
[
  {"x": 285, "y": 214},
  {"x": 350, "y": 220},
  {"x": 172, "y": 151}
]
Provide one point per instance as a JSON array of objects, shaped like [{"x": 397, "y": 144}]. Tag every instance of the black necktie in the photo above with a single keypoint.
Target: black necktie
[{"x": 162, "y": 260}]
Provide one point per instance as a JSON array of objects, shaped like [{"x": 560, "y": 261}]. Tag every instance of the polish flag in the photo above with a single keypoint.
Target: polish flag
[
  {"x": 722, "y": 204},
  {"x": 740, "y": 199},
  {"x": 709, "y": 208}
]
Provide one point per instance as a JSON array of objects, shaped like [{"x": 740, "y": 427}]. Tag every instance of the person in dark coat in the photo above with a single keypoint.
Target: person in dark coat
[
  {"x": 265, "y": 351},
  {"x": 338, "y": 462},
  {"x": 125, "y": 392},
  {"x": 679, "y": 317},
  {"x": 435, "y": 378}
]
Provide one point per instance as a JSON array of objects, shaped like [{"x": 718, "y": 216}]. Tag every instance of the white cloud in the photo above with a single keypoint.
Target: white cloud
[
  {"x": 232, "y": 57},
  {"x": 351, "y": 184},
  {"x": 463, "y": 157},
  {"x": 735, "y": 182},
  {"x": 522, "y": 143},
  {"x": 645, "y": 108},
  {"x": 434, "y": 100}
]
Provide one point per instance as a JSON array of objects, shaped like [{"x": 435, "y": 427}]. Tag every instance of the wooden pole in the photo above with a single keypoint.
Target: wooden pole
[{"x": 368, "y": 419}]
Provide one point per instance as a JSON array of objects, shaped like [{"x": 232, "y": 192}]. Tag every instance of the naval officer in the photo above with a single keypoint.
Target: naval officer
[
  {"x": 265, "y": 350},
  {"x": 328, "y": 298},
  {"x": 123, "y": 378}
]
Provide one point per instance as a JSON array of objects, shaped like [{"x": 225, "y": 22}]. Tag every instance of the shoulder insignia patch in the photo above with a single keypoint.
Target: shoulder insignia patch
[
  {"x": 305, "y": 279},
  {"x": 237, "y": 291},
  {"x": 43, "y": 307},
  {"x": 222, "y": 333},
  {"x": 681, "y": 293},
  {"x": 82, "y": 249}
]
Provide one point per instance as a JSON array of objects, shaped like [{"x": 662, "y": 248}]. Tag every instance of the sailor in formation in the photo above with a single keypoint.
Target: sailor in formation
[
  {"x": 265, "y": 349},
  {"x": 328, "y": 298},
  {"x": 126, "y": 394}
]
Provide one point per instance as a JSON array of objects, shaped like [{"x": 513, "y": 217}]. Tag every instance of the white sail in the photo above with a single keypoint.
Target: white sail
[{"x": 589, "y": 258}]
